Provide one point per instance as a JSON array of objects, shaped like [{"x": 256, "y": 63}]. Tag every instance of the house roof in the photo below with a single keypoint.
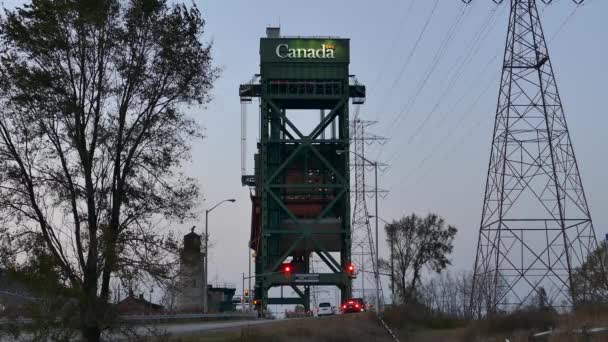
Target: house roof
[{"x": 141, "y": 301}]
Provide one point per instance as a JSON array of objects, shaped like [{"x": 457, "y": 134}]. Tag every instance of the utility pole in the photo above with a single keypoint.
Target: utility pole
[
  {"x": 393, "y": 299},
  {"x": 392, "y": 264},
  {"x": 377, "y": 268},
  {"x": 535, "y": 224},
  {"x": 206, "y": 263},
  {"x": 250, "y": 294},
  {"x": 362, "y": 273}
]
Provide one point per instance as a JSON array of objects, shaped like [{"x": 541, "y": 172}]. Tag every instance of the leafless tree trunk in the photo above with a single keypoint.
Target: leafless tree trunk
[{"x": 92, "y": 138}]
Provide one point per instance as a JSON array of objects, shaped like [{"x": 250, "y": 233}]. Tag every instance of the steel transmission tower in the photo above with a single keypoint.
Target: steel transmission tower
[
  {"x": 535, "y": 227},
  {"x": 363, "y": 240}
]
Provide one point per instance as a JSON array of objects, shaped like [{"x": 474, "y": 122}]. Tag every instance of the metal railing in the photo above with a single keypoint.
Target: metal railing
[
  {"x": 169, "y": 317},
  {"x": 156, "y": 318}
]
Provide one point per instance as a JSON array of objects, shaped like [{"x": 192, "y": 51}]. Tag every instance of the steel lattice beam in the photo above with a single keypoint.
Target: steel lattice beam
[{"x": 536, "y": 226}]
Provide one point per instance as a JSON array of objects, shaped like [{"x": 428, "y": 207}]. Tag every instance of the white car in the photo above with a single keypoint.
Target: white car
[{"x": 324, "y": 309}]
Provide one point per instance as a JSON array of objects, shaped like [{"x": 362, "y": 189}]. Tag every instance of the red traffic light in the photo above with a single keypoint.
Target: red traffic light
[{"x": 350, "y": 268}]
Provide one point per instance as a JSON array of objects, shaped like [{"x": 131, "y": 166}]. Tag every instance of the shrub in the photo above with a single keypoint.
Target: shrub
[
  {"x": 526, "y": 320},
  {"x": 418, "y": 316}
]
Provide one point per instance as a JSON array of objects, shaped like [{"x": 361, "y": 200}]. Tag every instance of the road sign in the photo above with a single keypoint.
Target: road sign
[{"x": 306, "y": 278}]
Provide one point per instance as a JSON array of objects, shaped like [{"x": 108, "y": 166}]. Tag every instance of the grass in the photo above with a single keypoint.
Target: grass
[
  {"x": 414, "y": 323},
  {"x": 220, "y": 336},
  {"x": 339, "y": 328}
]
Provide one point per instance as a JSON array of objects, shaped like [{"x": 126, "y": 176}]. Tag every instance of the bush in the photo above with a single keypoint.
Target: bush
[
  {"x": 418, "y": 316},
  {"x": 526, "y": 320}
]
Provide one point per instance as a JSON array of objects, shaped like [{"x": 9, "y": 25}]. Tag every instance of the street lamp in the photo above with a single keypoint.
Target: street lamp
[
  {"x": 376, "y": 275},
  {"x": 205, "y": 274}
]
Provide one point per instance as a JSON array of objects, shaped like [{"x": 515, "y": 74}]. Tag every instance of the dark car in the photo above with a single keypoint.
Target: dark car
[{"x": 353, "y": 305}]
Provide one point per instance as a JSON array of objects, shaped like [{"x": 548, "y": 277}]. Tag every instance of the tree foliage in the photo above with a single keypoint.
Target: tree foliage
[
  {"x": 590, "y": 280},
  {"x": 417, "y": 243},
  {"x": 93, "y": 136}
]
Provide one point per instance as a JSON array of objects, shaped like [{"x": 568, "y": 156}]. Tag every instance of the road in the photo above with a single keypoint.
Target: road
[
  {"x": 176, "y": 329},
  {"x": 193, "y": 328},
  {"x": 181, "y": 329}
]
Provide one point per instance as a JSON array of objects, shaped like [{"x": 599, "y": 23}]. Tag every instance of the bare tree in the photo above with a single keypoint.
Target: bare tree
[
  {"x": 417, "y": 243},
  {"x": 93, "y": 137},
  {"x": 447, "y": 294}
]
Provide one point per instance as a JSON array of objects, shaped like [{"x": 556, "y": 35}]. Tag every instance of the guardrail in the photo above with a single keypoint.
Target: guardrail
[
  {"x": 225, "y": 315},
  {"x": 586, "y": 332},
  {"x": 157, "y": 318},
  {"x": 19, "y": 320}
]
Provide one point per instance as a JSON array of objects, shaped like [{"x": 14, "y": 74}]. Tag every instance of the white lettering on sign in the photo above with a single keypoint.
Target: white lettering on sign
[{"x": 326, "y": 51}]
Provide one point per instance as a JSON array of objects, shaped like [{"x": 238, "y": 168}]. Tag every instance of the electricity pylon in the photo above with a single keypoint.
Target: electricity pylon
[{"x": 535, "y": 227}]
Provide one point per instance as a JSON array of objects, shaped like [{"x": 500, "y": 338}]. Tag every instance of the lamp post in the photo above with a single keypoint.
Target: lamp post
[
  {"x": 205, "y": 274},
  {"x": 249, "y": 285}
]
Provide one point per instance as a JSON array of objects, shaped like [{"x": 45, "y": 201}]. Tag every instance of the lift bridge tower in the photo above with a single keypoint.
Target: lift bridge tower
[{"x": 301, "y": 188}]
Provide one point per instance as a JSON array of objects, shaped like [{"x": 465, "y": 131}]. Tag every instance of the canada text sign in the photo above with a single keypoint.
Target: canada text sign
[
  {"x": 325, "y": 51},
  {"x": 314, "y": 50}
]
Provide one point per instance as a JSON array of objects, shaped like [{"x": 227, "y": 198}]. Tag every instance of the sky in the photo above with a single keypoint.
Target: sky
[
  {"x": 439, "y": 166},
  {"x": 434, "y": 99}
]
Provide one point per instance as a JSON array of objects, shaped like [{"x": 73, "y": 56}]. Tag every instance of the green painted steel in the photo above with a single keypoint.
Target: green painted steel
[{"x": 302, "y": 178}]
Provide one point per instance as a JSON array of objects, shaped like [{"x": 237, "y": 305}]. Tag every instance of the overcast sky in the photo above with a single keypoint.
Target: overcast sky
[{"x": 439, "y": 166}]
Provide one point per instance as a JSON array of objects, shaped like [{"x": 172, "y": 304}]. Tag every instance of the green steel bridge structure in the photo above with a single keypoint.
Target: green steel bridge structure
[{"x": 301, "y": 187}]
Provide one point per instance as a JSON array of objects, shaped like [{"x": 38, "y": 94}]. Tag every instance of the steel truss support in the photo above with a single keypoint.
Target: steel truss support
[
  {"x": 535, "y": 227},
  {"x": 284, "y": 147}
]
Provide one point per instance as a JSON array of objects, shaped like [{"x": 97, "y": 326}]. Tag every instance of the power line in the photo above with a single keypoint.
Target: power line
[
  {"x": 403, "y": 113},
  {"x": 444, "y": 140},
  {"x": 410, "y": 55},
  {"x": 566, "y": 20},
  {"x": 469, "y": 111},
  {"x": 476, "y": 46},
  {"x": 384, "y": 63},
  {"x": 459, "y": 67},
  {"x": 466, "y": 113}
]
